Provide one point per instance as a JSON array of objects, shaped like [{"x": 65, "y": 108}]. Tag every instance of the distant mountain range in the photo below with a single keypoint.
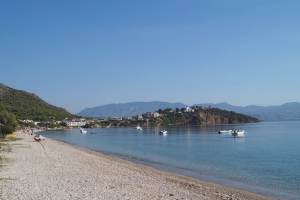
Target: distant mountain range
[
  {"x": 27, "y": 105},
  {"x": 288, "y": 111},
  {"x": 128, "y": 109}
]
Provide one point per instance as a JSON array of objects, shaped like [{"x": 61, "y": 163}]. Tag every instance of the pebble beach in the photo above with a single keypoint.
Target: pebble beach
[{"x": 51, "y": 169}]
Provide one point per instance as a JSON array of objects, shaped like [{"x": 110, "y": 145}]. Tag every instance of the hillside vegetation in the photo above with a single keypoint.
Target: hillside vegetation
[
  {"x": 178, "y": 117},
  {"x": 287, "y": 111},
  {"x": 25, "y": 105},
  {"x": 203, "y": 116}
]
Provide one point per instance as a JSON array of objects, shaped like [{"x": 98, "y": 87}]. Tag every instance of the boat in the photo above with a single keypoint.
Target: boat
[
  {"x": 39, "y": 138},
  {"x": 82, "y": 130},
  {"x": 138, "y": 128},
  {"x": 93, "y": 133},
  {"x": 238, "y": 133},
  {"x": 225, "y": 131},
  {"x": 163, "y": 132}
]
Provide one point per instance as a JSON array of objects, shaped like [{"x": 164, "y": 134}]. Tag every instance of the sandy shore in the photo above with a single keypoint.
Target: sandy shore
[{"x": 54, "y": 170}]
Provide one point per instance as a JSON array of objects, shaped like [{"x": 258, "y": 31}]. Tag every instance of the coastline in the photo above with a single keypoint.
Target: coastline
[{"x": 55, "y": 170}]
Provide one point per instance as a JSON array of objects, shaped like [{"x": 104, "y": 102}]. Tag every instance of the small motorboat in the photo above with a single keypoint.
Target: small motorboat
[
  {"x": 82, "y": 130},
  {"x": 225, "y": 131},
  {"x": 163, "y": 132},
  {"x": 93, "y": 133},
  {"x": 238, "y": 133},
  {"x": 38, "y": 138}
]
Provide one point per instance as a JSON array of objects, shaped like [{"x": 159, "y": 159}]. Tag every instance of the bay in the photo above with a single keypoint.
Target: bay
[{"x": 265, "y": 161}]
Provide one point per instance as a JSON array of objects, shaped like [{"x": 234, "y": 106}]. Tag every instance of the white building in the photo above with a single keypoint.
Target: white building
[
  {"x": 79, "y": 120},
  {"x": 188, "y": 109},
  {"x": 75, "y": 122},
  {"x": 70, "y": 123},
  {"x": 152, "y": 114}
]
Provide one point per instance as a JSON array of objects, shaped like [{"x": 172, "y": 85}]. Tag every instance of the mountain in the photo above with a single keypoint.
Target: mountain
[
  {"x": 287, "y": 111},
  {"x": 28, "y": 106},
  {"x": 196, "y": 116},
  {"x": 128, "y": 109}
]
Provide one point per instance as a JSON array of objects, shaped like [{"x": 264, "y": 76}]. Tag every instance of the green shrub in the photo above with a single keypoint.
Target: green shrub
[{"x": 7, "y": 129}]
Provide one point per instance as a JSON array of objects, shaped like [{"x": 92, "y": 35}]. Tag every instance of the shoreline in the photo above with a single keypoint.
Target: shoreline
[{"x": 53, "y": 169}]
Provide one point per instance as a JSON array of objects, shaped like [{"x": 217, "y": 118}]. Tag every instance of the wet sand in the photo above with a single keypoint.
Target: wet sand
[{"x": 54, "y": 170}]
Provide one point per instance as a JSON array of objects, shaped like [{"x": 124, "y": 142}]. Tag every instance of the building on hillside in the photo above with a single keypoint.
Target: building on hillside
[
  {"x": 79, "y": 120},
  {"x": 75, "y": 122},
  {"x": 152, "y": 114},
  {"x": 188, "y": 109},
  {"x": 70, "y": 123}
]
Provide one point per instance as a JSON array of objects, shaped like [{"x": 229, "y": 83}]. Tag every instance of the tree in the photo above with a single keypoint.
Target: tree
[
  {"x": 8, "y": 121},
  {"x": 167, "y": 110},
  {"x": 64, "y": 124},
  {"x": 2, "y": 135},
  {"x": 6, "y": 129}
]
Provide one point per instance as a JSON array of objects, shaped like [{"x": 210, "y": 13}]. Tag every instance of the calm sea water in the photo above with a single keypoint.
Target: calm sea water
[{"x": 266, "y": 161}]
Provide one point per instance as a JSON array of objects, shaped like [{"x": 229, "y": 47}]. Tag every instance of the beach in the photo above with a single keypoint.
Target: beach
[{"x": 51, "y": 169}]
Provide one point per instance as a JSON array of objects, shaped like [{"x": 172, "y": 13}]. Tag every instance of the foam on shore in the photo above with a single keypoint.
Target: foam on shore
[{"x": 54, "y": 170}]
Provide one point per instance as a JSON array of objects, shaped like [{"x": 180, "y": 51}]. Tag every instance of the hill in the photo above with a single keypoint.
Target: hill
[
  {"x": 196, "y": 116},
  {"x": 287, "y": 111},
  {"x": 28, "y": 106},
  {"x": 128, "y": 109},
  {"x": 205, "y": 116}
]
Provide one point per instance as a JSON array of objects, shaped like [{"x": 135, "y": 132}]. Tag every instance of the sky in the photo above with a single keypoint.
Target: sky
[{"x": 82, "y": 54}]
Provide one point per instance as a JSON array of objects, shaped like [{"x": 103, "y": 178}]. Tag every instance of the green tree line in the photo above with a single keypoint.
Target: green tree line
[{"x": 8, "y": 123}]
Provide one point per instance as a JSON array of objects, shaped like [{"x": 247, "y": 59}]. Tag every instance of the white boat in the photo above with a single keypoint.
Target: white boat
[
  {"x": 138, "y": 128},
  {"x": 163, "y": 132},
  {"x": 38, "y": 137},
  {"x": 225, "y": 131},
  {"x": 238, "y": 133},
  {"x": 82, "y": 130}
]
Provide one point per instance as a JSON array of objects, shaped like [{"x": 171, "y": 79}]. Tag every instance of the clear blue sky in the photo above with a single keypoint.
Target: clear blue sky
[{"x": 78, "y": 54}]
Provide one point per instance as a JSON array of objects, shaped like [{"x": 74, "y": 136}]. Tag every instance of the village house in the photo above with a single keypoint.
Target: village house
[
  {"x": 188, "y": 109},
  {"x": 75, "y": 122},
  {"x": 152, "y": 114}
]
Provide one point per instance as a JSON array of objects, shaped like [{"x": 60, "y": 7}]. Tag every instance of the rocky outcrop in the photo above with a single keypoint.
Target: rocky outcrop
[
  {"x": 217, "y": 116},
  {"x": 214, "y": 119}
]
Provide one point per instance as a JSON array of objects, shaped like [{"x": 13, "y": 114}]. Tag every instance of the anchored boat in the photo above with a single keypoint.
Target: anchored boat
[
  {"x": 163, "y": 132},
  {"x": 225, "y": 131},
  {"x": 82, "y": 130},
  {"x": 239, "y": 133}
]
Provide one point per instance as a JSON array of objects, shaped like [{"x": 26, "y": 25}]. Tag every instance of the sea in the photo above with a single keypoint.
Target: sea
[{"x": 265, "y": 161}]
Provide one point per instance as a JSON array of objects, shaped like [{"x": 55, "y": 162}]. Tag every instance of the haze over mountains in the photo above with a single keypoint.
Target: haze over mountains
[
  {"x": 26, "y": 105},
  {"x": 128, "y": 109},
  {"x": 288, "y": 111}
]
